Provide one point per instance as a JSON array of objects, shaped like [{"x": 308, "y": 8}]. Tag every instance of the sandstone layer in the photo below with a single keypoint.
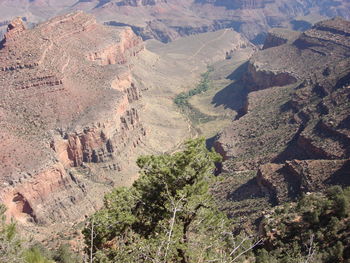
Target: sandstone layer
[
  {"x": 278, "y": 36},
  {"x": 167, "y": 20},
  {"x": 297, "y": 109},
  {"x": 68, "y": 106}
]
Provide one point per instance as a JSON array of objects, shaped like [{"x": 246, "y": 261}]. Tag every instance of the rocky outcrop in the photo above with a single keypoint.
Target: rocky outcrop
[
  {"x": 284, "y": 182},
  {"x": 100, "y": 144},
  {"x": 322, "y": 45},
  {"x": 14, "y": 29},
  {"x": 69, "y": 107},
  {"x": 118, "y": 53},
  {"x": 237, "y": 4},
  {"x": 296, "y": 129},
  {"x": 277, "y": 37},
  {"x": 258, "y": 78},
  {"x": 174, "y": 18},
  {"x": 140, "y": 2}
]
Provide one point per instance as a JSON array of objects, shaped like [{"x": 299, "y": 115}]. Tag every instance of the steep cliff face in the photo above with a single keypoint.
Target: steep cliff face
[
  {"x": 140, "y": 2},
  {"x": 262, "y": 79},
  {"x": 118, "y": 53},
  {"x": 254, "y": 18},
  {"x": 284, "y": 182},
  {"x": 167, "y": 20},
  {"x": 298, "y": 110},
  {"x": 278, "y": 36},
  {"x": 236, "y": 4},
  {"x": 326, "y": 7},
  {"x": 68, "y": 107},
  {"x": 323, "y": 45},
  {"x": 134, "y": 3}
]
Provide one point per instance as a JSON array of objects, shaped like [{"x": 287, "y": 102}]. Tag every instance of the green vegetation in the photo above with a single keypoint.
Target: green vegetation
[
  {"x": 315, "y": 228},
  {"x": 65, "y": 255},
  {"x": 182, "y": 100},
  {"x": 34, "y": 255},
  {"x": 11, "y": 249},
  {"x": 168, "y": 215},
  {"x": 14, "y": 249}
]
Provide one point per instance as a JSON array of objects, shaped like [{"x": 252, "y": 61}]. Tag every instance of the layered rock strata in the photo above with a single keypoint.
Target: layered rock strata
[
  {"x": 238, "y": 4},
  {"x": 286, "y": 181},
  {"x": 167, "y": 20},
  {"x": 68, "y": 107},
  {"x": 278, "y": 36},
  {"x": 298, "y": 109},
  {"x": 134, "y": 3}
]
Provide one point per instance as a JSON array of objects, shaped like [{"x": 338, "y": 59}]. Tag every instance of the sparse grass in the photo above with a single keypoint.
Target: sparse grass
[
  {"x": 197, "y": 104},
  {"x": 195, "y": 116}
]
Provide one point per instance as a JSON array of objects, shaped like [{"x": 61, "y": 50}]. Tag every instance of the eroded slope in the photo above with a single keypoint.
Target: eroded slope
[
  {"x": 67, "y": 98},
  {"x": 306, "y": 119},
  {"x": 167, "y": 20}
]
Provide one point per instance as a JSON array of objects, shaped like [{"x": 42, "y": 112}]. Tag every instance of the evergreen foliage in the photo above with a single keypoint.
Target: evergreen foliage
[
  {"x": 13, "y": 249},
  {"x": 34, "y": 255},
  {"x": 65, "y": 255},
  {"x": 10, "y": 244},
  {"x": 315, "y": 228},
  {"x": 181, "y": 100},
  {"x": 168, "y": 215}
]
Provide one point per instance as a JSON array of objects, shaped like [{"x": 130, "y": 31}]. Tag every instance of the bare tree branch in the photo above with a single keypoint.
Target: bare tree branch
[{"x": 248, "y": 249}]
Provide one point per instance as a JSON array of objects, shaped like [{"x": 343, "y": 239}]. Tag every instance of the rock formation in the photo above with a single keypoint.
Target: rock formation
[
  {"x": 68, "y": 106},
  {"x": 237, "y": 4},
  {"x": 140, "y": 2},
  {"x": 167, "y": 20},
  {"x": 134, "y": 3},
  {"x": 254, "y": 18},
  {"x": 278, "y": 36},
  {"x": 296, "y": 128}
]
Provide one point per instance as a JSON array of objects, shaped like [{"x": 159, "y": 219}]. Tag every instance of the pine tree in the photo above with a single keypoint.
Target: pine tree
[
  {"x": 168, "y": 215},
  {"x": 11, "y": 247}
]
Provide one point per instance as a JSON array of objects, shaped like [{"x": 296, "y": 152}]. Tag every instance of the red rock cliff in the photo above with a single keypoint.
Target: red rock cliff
[{"x": 68, "y": 107}]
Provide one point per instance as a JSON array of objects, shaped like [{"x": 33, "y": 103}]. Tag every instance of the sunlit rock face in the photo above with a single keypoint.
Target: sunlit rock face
[
  {"x": 295, "y": 130},
  {"x": 68, "y": 102}
]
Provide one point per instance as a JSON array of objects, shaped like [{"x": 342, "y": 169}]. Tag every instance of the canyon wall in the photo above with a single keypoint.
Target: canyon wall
[
  {"x": 167, "y": 20},
  {"x": 295, "y": 131},
  {"x": 278, "y": 36},
  {"x": 69, "y": 107},
  {"x": 140, "y": 2},
  {"x": 237, "y": 4},
  {"x": 134, "y": 3}
]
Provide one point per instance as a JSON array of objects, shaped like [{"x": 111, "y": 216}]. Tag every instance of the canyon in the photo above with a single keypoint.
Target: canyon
[
  {"x": 167, "y": 20},
  {"x": 85, "y": 93},
  {"x": 70, "y": 101},
  {"x": 80, "y": 102}
]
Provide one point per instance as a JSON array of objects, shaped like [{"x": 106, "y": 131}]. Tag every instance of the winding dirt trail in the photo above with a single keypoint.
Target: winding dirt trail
[
  {"x": 206, "y": 43},
  {"x": 191, "y": 129}
]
